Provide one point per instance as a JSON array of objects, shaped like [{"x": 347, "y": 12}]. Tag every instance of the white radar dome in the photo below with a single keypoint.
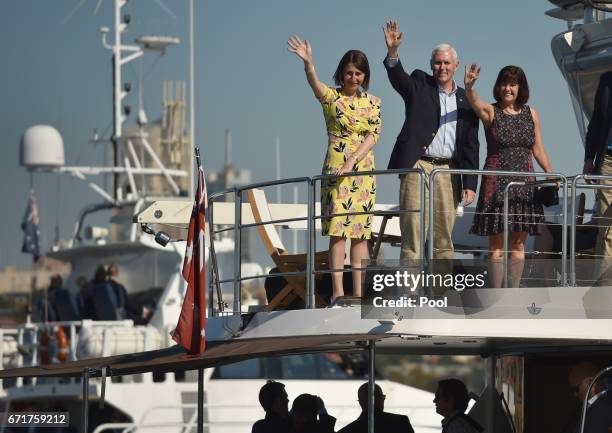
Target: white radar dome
[{"x": 42, "y": 146}]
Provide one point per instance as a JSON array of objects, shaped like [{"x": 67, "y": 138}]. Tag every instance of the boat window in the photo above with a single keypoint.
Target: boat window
[
  {"x": 248, "y": 369},
  {"x": 273, "y": 368},
  {"x": 159, "y": 377},
  {"x": 330, "y": 365},
  {"x": 310, "y": 366},
  {"x": 300, "y": 367}
]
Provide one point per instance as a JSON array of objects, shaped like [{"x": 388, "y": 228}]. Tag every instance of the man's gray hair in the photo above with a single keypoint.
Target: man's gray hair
[{"x": 444, "y": 48}]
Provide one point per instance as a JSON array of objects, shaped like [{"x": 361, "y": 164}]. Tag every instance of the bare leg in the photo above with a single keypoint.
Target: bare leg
[
  {"x": 516, "y": 261},
  {"x": 359, "y": 253},
  {"x": 495, "y": 264},
  {"x": 336, "y": 261}
]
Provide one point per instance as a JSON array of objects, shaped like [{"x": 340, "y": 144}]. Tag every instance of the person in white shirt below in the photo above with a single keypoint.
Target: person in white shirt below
[
  {"x": 599, "y": 409},
  {"x": 451, "y": 402}
]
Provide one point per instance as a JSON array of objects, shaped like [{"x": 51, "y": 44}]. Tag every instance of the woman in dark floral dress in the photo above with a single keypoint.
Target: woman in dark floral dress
[
  {"x": 352, "y": 118},
  {"x": 513, "y": 134}
]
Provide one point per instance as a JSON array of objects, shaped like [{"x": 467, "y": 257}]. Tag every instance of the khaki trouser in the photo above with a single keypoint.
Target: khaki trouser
[
  {"x": 603, "y": 244},
  {"x": 444, "y": 214}
]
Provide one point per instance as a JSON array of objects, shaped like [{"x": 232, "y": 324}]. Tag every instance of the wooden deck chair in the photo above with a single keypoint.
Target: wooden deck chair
[{"x": 285, "y": 262}]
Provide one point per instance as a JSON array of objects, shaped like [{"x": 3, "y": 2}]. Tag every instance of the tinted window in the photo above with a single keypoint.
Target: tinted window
[
  {"x": 331, "y": 368},
  {"x": 300, "y": 367},
  {"x": 309, "y": 366},
  {"x": 249, "y": 369},
  {"x": 273, "y": 368}
]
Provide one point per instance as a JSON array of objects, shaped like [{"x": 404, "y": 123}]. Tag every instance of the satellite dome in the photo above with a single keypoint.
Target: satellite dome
[{"x": 42, "y": 146}]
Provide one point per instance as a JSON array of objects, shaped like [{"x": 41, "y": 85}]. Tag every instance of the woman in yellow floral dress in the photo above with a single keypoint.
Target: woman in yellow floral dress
[{"x": 352, "y": 117}]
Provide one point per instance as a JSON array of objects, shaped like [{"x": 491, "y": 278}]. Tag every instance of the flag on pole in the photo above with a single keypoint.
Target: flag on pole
[
  {"x": 190, "y": 330},
  {"x": 31, "y": 232}
]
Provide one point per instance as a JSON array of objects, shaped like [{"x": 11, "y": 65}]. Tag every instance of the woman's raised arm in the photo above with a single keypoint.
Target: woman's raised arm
[
  {"x": 303, "y": 50},
  {"x": 483, "y": 110}
]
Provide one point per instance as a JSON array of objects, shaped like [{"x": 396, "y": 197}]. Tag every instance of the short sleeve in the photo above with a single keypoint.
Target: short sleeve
[
  {"x": 374, "y": 120},
  {"x": 329, "y": 95}
]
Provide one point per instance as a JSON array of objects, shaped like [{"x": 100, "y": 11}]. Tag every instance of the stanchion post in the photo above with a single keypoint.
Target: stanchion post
[
  {"x": 85, "y": 406},
  {"x": 237, "y": 249},
  {"x": 310, "y": 266},
  {"x": 371, "y": 383},
  {"x": 200, "y": 400}
]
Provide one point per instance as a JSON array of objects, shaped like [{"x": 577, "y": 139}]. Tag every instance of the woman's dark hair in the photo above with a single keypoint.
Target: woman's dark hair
[
  {"x": 455, "y": 389},
  {"x": 305, "y": 405},
  {"x": 360, "y": 61},
  {"x": 512, "y": 75}
]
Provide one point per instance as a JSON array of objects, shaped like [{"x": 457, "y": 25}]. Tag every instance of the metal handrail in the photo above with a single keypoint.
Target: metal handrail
[
  {"x": 272, "y": 183},
  {"x": 435, "y": 172},
  {"x": 216, "y": 195},
  {"x": 212, "y": 283},
  {"x": 587, "y": 397},
  {"x": 310, "y": 293},
  {"x": 238, "y": 226},
  {"x": 564, "y": 225},
  {"x": 311, "y": 218},
  {"x": 575, "y": 186},
  {"x": 310, "y": 223}
]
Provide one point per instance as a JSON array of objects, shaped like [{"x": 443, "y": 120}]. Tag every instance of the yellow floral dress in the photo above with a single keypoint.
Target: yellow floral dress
[{"x": 349, "y": 120}]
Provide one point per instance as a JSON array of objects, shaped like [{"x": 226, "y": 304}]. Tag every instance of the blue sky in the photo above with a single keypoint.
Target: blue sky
[{"x": 55, "y": 71}]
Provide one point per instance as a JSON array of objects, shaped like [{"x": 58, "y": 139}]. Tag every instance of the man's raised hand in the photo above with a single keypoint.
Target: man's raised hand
[{"x": 393, "y": 37}]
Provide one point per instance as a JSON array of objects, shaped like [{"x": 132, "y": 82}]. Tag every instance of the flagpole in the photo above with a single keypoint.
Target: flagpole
[
  {"x": 33, "y": 276},
  {"x": 200, "y": 427},
  {"x": 213, "y": 256},
  {"x": 197, "y": 155}
]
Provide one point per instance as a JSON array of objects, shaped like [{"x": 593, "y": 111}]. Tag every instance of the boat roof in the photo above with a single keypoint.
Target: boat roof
[
  {"x": 342, "y": 329},
  {"x": 176, "y": 358}
]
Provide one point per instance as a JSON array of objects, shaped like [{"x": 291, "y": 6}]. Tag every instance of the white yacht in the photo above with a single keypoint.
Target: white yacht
[
  {"x": 530, "y": 337},
  {"x": 151, "y": 163}
]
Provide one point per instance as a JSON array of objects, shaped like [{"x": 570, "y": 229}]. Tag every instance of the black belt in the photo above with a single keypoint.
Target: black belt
[{"x": 436, "y": 161}]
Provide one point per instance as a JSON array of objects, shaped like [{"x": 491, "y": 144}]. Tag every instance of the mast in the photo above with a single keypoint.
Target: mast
[
  {"x": 191, "y": 100},
  {"x": 118, "y": 94},
  {"x": 121, "y": 90}
]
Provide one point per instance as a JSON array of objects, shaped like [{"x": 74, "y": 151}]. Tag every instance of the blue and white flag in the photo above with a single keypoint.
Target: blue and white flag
[{"x": 29, "y": 225}]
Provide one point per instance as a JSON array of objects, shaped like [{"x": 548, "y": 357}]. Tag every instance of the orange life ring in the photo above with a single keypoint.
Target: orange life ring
[{"x": 53, "y": 346}]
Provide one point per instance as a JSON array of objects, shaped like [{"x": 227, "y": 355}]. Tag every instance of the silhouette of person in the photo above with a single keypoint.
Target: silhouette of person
[
  {"x": 88, "y": 309},
  {"x": 304, "y": 412},
  {"x": 451, "y": 402},
  {"x": 274, "y": 401},
  {"x": 599, "y": 406},
  {"x": 49, "y": 313},
  {"x": 384, "y": 422},
  {"x": 118, "y": 289},
  {"x": 130, "y": 308}
]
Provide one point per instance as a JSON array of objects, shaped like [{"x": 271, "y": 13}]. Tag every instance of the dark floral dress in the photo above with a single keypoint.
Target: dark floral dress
[
  {"x": 509, "y": 142},
  {"x": 349, "y": 120}
]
